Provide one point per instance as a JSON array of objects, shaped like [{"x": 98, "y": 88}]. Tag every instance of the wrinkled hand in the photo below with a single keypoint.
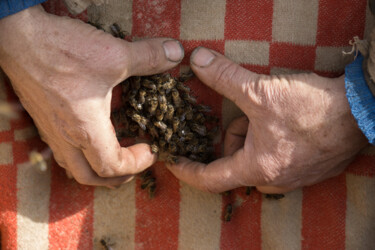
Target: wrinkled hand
[
  {"x": 63, "y": 71},
  {"x": 298, "y": 129}
]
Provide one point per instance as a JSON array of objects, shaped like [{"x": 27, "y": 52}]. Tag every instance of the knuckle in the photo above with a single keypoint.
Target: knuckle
[
  {"x": 153, "y": 56},
  {"x": 225, "y": 72},
  {"x": 110, "y": 169}
]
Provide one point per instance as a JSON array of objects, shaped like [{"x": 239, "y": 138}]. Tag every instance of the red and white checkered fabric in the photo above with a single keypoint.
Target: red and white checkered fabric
[{"x": 48, "y": 211}]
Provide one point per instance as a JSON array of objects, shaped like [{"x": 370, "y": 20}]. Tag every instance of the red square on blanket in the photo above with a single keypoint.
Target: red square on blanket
[{"x": 249, "y": 20}]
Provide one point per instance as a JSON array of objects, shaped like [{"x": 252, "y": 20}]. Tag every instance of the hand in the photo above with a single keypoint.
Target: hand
[
  {"x": 298, "y": 129},
  {"x": 63, "y": 71}
]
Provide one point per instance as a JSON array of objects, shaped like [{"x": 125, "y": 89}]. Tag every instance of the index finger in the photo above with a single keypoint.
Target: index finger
[{"x": 218, "y": 176}]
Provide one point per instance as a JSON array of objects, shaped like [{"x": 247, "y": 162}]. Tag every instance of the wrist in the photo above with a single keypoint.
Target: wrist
[
  {"x": 18, "y": 29},
  {"x": 360, "y": 98}
]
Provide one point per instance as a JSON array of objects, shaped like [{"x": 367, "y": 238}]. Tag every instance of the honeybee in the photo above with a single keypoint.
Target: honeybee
[
  {"x": 149, "y": 84},
  {"x": 228, "y": 212},
  {"x": 153, "y": 106},
  {"x": 161, "y": 125},
  {"x": 189, "y": 98},
  {"x": 163, "y": 103},
  {"x": 176, "y": 98},
  {"x": 38, "y": 161},
  {"x": 275, "y": 196},
  {"x": 162, "y": 144},
  {"x": 175, "y": 124},
  {"x": 117, "y": 32},
  {"x": 200, "y": 129},
  {"x": 159, "y": 115},
  {"x": 172, "y": 147},
  {"x": 169, "y": 85},
  {"x": 186, "y": 76},
  {"x": 203, "y": 108},
  {"x": 168, "y": 134},
  {"x": 170, "y": 111},
  {"x": 154, "y": 148},
  {"x": 248, "y": 190},
  {"x": 142, "y": 121},
  {"x": 153, "y": 131},
  {"x": 141, "y": 97}
]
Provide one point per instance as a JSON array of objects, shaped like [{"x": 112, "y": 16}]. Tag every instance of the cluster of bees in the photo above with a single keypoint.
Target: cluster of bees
[{"x": 161, "y": 107}]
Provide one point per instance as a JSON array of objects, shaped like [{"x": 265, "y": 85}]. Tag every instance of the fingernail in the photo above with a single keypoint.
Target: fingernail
[
  {"x": 173, "y": 50},
  {"x": 202, "y": 57}
]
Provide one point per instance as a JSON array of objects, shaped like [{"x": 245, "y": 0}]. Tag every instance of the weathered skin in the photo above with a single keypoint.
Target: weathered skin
[
  {"x": 297, "y": 130},
  {"x": 63, "y": 71}
]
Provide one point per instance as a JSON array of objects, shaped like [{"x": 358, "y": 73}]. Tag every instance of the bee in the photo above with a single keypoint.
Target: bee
[
  {"x": 107, "y": 243},
  {"x": 248, "y": 190},
  {"x": 142, "y": 121},
  {"x": 172, "y": 147},
  {"x": 203, "y": 108},
  {"x": 228, "y": 213},
  {"x": 200, "y": 129},
  {"x": 170, "y": 111},
  {"x": 189, "y": 113},
  {"x": 192, "y": 148},
  {"x": 153, "y": 106},
  {"x": 172, "y": 159},
  {"x": 199, "y": 117},
  {"x": 186, "y": 76},
  {"x": 149, "y": 84},
  {"x": 154, "y": 148},
  {"x": 169, "y": 85},
  {"x": 141, "y": 97},
  {"x": 275, "y": 196},
  {"x": 153, "y": 131},
  {"x": 213, "y": 132},
  {"x": 117, "y": 32},
  {"x": 148, "y": 182},
  {"x": 159, "y": 115},
  {"x": 161, "y": 125},
  {"x": 137, "y": 106},
  {"x": 162, "y": 144},
  {"x": 227, "y": 193},
  {"x": 175, "y": 124},
  {"x": 189, "y": 98},
  {"x": 38, "y": 161},
  {"x": 163, "y": 103},
  {"x": 176, "y": 98},
  {"x": 168, "y": 134}
]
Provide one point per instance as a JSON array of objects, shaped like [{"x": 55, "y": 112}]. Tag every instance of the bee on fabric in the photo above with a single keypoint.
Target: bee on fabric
[
  {"x": 274, "y": 196},
  {"x": 228, "y": 211}
]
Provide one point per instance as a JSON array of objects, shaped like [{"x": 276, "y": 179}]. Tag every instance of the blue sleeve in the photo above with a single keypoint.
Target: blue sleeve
[
  {"x": 361, "y": 100},
  {"x": 9, "y": 7}
]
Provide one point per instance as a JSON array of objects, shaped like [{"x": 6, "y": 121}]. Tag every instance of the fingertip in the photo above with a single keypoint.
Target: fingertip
[
  {"x": 202, "y": 57},
  {"x": 174, "y": 51}
]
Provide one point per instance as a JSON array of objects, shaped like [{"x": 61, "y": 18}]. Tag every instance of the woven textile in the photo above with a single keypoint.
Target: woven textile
[{"x": 49, "y": 211}]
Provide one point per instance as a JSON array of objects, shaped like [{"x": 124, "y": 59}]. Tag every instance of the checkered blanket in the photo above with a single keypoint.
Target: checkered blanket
[{"x": 49, "y": 211}]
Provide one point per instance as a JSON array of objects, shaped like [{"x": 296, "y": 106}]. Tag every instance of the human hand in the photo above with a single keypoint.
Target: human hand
[
  {"x": 297, "y": 130},
  {"x": 63, "y": 71}
]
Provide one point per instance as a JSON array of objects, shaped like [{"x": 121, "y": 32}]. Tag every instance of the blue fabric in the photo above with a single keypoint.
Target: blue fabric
[
  {"x": 9, "y": 7},
  {"x": 361, "y": 100}
]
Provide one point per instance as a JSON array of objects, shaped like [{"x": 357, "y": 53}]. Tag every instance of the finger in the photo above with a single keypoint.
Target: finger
[
  {"x": 108, "y": 158},
  {"x": 153, "y": 56},
  {"x": 224, "y": 76},
  {"x": 216, "y": 177},
  {"x": 83, "y": 174},
  {"x": 235, "y": 135}
]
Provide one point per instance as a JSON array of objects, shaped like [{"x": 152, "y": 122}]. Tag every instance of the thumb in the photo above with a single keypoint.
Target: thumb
[
  {"x": 224, "y": 76},
  {"x": 151, "y": 56}
]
